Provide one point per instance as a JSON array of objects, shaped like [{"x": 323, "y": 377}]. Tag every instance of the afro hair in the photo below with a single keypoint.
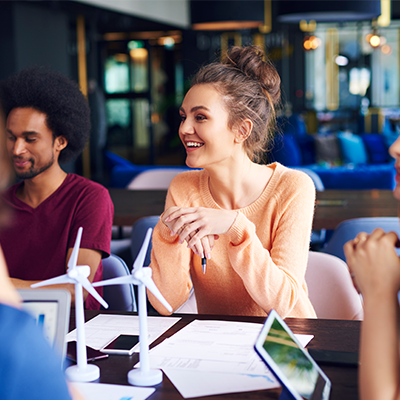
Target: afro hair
[{"x": 55, "y": 95}]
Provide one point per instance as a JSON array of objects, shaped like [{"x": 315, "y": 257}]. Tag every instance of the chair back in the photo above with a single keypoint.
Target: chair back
[
  {"x": 317, "y": 237},
  {"x": 319, "y": 185},
  {"x": 348, "y": 230},
  {"x": 155, "y": 178},
  {"x": 138, "y": 234},
  {"x": 331, "y": 289},
  {"x": 118, "y": 297}
]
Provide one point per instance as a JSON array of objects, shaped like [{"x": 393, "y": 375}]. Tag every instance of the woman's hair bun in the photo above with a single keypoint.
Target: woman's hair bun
[{"x": 250, "y": 60}]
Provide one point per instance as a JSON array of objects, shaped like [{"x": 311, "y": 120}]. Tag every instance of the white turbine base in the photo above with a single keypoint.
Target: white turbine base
[
  {"x": 88, "y": 374},
  {"x": 137, "y": 377}
]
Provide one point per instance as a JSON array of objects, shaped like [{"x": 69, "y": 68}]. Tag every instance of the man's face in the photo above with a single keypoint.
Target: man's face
[{"x": 30, "y": 143}]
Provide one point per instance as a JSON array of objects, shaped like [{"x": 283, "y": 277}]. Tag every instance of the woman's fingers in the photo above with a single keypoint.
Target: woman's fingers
[{"x": 196, "y": 225}]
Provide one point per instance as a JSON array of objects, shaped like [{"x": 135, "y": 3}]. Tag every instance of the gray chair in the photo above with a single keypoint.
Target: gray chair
[
  {"x": 348, "y": 230},
  {"x": 319, "y": 185},
  {"x": 118, "y": 297},
  {"x": 138, "y": 233},
  {"x": 155, "y": 178},
  {"x": 317, "y": 237}
]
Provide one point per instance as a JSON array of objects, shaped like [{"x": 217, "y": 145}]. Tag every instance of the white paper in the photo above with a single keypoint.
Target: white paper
[
  {"x": 104, "y": 327},
  {"x": 194, "y": 384},
  {"x": 214, "y": 357},
  {"x": 102, "y": 391}
]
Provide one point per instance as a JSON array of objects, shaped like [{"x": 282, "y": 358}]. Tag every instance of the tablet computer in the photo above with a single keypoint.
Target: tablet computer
[
  {"x": 51, "y": 309},
  {"x": 300, "y": 376}
]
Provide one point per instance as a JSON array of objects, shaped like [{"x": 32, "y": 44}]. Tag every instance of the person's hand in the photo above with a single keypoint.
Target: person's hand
[
  {"x": 198, "y": 226},
  {"x": 373, "y": 262},
  {"x": 207, "y": 241}
]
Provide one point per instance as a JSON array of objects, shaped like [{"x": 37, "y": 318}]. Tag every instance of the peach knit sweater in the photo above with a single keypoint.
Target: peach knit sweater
[{"x": 258, "y": 265}]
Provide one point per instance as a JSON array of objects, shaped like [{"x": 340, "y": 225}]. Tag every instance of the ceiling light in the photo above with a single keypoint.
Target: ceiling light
[{"x": 342, "y": 61}]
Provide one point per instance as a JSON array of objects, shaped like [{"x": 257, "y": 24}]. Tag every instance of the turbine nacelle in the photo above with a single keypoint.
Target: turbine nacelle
[{"x": 80, "y": 270}]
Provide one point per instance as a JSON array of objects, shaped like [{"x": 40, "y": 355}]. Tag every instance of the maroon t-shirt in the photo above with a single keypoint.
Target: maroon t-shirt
[{"x": 35, "y": 245}]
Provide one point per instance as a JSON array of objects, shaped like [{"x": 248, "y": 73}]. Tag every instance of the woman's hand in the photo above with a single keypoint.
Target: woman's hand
[
  {"x": 373, "y": 262},
  {"x": 198, "y": 226}
]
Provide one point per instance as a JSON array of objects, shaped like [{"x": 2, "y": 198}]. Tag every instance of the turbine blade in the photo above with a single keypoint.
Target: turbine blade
[
  {"x": 143, "y": 250},
  {"x": 73, "y": 260},
  {"x": 88, "y": 286},
  {"x": 53, "y": 281},
  {"x": 149, "y": 283},
  {"x": 114, "y": 281}
]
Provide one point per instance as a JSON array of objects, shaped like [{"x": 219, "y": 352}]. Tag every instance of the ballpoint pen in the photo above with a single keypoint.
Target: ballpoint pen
[{"x": 204, "y": 264}]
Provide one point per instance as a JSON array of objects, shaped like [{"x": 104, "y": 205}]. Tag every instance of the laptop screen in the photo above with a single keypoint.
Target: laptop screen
[{"x": 297, "y": 372}]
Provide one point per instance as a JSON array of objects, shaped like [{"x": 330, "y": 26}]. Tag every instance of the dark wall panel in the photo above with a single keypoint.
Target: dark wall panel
[{"x": 41, "y": 37}]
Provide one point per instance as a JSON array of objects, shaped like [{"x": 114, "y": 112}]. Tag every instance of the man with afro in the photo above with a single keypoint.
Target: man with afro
[{"x": 48, "y": 123}]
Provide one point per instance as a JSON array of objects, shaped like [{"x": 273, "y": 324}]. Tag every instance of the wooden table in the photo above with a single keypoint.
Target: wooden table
[
  {"x": 131, "y": 205},
  {"x": 332, "y": 206},
  {"x": 328, "y": 334},
  {"x": 335, "y": 206}
]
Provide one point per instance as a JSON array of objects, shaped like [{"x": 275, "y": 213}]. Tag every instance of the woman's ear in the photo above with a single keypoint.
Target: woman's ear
[
  {"x": 243, "y": 130},
  {"x": 60, "y": 143}
]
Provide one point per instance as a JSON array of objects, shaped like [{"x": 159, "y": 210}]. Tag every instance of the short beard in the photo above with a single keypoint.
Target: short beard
[{"x": 34, "y": 172}]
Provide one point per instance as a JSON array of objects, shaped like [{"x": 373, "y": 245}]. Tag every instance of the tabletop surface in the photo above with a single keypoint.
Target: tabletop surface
[{"x": 328, "y": 335}]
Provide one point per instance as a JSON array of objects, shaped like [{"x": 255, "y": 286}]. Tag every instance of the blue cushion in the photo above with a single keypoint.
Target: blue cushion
[
  {"x": 377, "y": 151},
  {"x": 307, "y": 148},
  {"x": 286, "y": 151},
  {"x": 353, "y": 149},
  {"x": 327, "y": 149},
  {"x": 389, "y": 135}
]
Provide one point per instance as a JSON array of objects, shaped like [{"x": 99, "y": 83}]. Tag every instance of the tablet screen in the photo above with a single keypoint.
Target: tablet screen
[
  {"x": 51, "y": 309},
  {"x": 45, "y": 313},
  {"x": 297, "y": 372}
]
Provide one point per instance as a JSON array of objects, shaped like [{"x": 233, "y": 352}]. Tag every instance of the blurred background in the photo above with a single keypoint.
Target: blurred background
[{"x": 338, "y": 61}]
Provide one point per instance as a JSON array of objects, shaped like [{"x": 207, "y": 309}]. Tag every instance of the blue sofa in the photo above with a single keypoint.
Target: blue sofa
[{"x": 342, "y": 160}]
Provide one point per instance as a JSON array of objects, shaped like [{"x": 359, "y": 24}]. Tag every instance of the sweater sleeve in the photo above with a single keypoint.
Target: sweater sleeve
[
  {"x": 170, "y": 263},
  {"x": 274, "y": 277}
]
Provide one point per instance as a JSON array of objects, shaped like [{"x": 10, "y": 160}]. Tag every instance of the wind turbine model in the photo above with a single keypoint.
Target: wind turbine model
[
  {"x": 77, "y": 274},
  {"x": 141, "y": 276}
]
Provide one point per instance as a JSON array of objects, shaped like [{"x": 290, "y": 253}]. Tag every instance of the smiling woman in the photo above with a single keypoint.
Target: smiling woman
[{"x": 251, "y": 222}]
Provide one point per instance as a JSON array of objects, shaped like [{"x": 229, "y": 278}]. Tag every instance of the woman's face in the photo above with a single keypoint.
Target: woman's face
[
  {"x": 204, "y": 128},
  {"x": 394, "y": 151}
]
